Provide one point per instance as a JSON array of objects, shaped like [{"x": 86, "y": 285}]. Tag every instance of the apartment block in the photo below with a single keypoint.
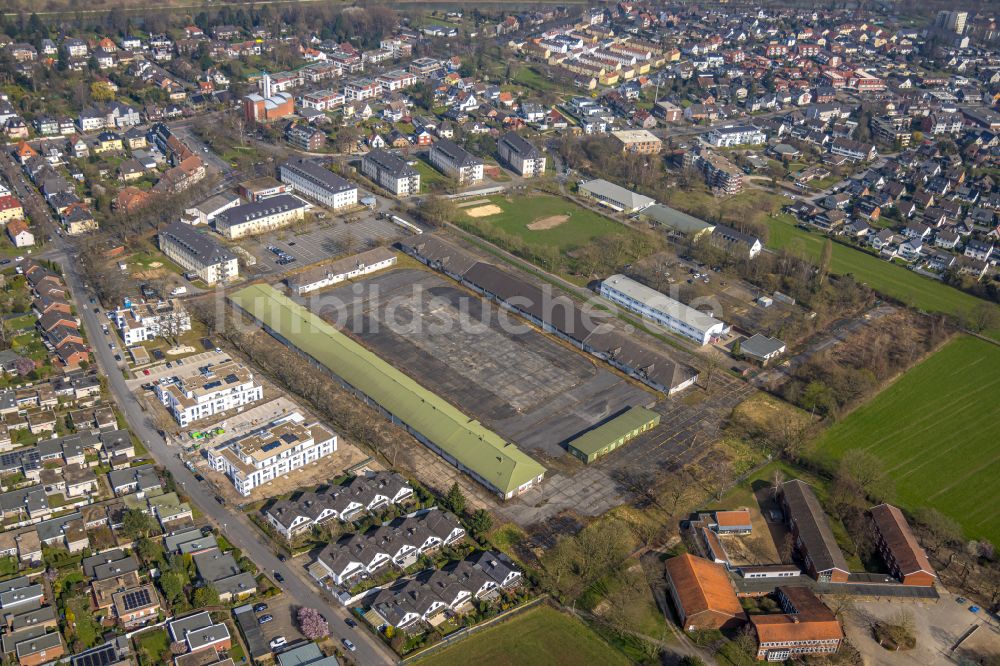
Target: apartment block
[
  {"x": 144, "y": 321},
  {"x": 391, "y": 172},
  {"x": 258, "y": 217},
  {"x": 318, "y": 183},
  {"x": 217, "y": 388},
  {"x": 521, "y": 155},
  {"x": 455, "y": 161},
  {"x": 198, "y": 253}
]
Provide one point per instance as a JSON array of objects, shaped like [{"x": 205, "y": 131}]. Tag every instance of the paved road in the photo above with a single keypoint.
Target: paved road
[{"x": 237, "y": 528}]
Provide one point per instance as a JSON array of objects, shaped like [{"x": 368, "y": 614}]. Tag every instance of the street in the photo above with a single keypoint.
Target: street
[{"x": 233, "y": 523}]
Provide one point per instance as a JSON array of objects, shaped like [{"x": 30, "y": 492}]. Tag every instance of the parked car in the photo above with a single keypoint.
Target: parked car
[
  {"x": 348, "y": 644},
  {"x": 350, "y": 623},
  {"x": 264, "y": 619},
  {"x": 277, "y": 642},
  {"x": 260, "y": 608},
  {"x": 278, "y": 577}
]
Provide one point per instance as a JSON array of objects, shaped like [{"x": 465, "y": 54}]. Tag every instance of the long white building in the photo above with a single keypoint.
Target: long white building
[
  {"x": 275, "y": 450},
  {"x": 144, "y": 321},
  {"x": 215, "y": 389},
  {"x": 258, "y": 217},
  {"x": 318, "y": 183},
  {"x": 736, "y": 135},
  {"x": 667, "y": 312}
]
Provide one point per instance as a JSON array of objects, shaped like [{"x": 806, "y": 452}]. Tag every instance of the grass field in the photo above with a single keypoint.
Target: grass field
[
  {"x": 540, "y": 635},
  {"x": 581, "y": 227},
  {"x": 935, "y": 430},
  {"x": 883, "y": 276}
]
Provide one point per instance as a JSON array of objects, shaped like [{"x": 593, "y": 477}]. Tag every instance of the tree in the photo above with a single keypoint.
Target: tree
[
  {"x": 205, "y": 596},
  {"x": 173, "y": 588},
  {"x": 101, "y": 91},
  {"x": 312, "y": 624},
  {"x": 825, "y": 259},
  {"x": 136, "y": 524},
  {"x": 481, "y": 522},
  {"x": 454, "y": 501},
  {"x": 867, "y": 473},
  {"x": 940, "y": 530},
  {"x": 691, "y": 660}
]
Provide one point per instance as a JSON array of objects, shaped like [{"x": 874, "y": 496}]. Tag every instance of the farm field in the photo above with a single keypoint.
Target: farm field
[
  {"x": 541, "y": 635},
  {"x": 890, "y": 279},
  {"x": 935, "y": 430},
  {"x": 546, "y": 221}
]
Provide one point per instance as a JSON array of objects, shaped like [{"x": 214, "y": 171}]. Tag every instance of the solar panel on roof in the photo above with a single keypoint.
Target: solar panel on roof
[
  {"x": 212, "y": 385},
  {"x": 136, "y": 599},
  {"x": 270, "y": 445},
  {"x": 231, "y": 378},
  {"x": 289, "y": 438},
  {"x": 102, "y": 656}
]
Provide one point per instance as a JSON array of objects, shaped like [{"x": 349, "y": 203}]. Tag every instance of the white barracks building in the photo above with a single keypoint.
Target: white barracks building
[
  {"x": 215, "y": 389},
  {"x": 272, "y": 451}
]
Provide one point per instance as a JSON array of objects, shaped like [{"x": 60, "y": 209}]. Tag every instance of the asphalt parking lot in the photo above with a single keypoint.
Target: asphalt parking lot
[
  {"x": 329, "y": 238},
  {"x": 529, "y": 388},
  {"x": 282, "y": 608}
]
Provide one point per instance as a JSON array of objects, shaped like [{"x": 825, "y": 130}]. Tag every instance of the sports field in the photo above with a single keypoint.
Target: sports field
[
  {"x": 916, "y": 290},
  {"x": 540, "y": 635},
  {"x": 936, "y": 431},
  {"x": 543, "y": 220}
]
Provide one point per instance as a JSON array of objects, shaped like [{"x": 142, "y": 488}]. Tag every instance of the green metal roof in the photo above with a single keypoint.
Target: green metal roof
[
  {"x": 676, "y": 220},
  {"x": 479, "y": 449},
  {"x": 597, "y": 439}
]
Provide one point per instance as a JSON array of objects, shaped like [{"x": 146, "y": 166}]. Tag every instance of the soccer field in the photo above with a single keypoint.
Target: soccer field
[
  {"x": 936, "y": 431},
  {"x": 541, "y": 635},
  {"x": 883, "y": 276},
  {"x": 543, "y": 220}
]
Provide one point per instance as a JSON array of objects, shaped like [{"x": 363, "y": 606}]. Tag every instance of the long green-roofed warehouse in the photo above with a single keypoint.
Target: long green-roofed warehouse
[
  {"x": 463, "y": 441},
  {"x": 607, "y": 437}
]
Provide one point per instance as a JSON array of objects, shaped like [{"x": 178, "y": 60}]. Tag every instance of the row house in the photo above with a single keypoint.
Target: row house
[
  {"x": 347, "y": 502},
  {"x": 399, "y": 543}
]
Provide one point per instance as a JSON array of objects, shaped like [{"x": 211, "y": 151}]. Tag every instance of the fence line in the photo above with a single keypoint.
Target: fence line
[{"x": 468, "y": 631}]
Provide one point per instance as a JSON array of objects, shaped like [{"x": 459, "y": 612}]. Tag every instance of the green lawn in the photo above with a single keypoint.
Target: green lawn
[
  {"x": 541, "y": 635},
  {"x": 883, "y": 276},
  {"x": 152, "y": 646},
  {"x": 430, "y": 177},
  {"x": 935, "y": 430},
  {"x": 581, "y": 227}
]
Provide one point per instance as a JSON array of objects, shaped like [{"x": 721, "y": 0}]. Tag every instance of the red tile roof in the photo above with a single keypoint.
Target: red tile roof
[
  {"x": 702, "y": 586},
  {"x": 892, "y": 525}
]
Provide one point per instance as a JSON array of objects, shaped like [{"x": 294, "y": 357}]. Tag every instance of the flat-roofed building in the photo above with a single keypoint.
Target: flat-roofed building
[
  {"x": 272, "y": 451},
  {"x": 806, "y": 627},
  {"x": 638, "y": 141},
  {"x": 215, "y": 389},
  {"x": 814, "y": 539},
  {"x": 662, "y": 309},
  {"x": 455, "y": 161},
  {"x": 198, "y": 253},
  {"x": 264, "y": 187},
  {"x": 258, "y": 217},
  {"x": 391, "y": 172},
  {"x": 318, "y": 183},
  {"x": 736, "y": 135},
  {"x": 898, "y": 547},
  {"x": 702, "y": 594},
  {"x": 522, "y": 156},
  {"x": 144, "y": 321}
]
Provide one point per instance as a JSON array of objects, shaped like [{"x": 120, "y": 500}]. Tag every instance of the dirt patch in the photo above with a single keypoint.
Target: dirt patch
[
  {"x": 550, "y": 222},
  {"x": 484, "y": 211},
  {"x": 156, "y": 264}
]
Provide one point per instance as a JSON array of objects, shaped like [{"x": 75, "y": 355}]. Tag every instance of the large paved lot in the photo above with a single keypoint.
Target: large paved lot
[
  {"x": 329, "y": 238},
  {"x": 529, "y": 388}
]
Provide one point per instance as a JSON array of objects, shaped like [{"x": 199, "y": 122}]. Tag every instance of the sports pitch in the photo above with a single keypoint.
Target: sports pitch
[
  {"x": 935, "y": 429},
  {"x": 543, "y": 220}
]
